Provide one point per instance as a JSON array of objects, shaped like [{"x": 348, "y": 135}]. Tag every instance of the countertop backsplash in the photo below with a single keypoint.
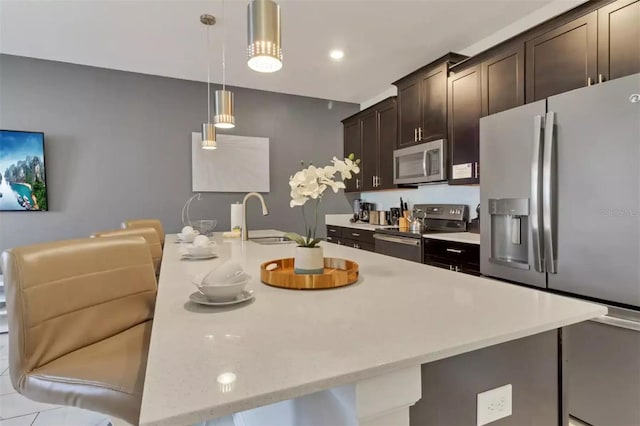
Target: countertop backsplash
[{"x": 426, "y": 194}]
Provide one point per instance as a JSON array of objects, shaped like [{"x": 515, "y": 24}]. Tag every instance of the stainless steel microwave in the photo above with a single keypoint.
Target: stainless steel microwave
[{"x": 422, "y": 163}]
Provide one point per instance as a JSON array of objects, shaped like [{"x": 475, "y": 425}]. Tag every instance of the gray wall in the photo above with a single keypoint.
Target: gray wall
[{"x": 118, "y": 146}]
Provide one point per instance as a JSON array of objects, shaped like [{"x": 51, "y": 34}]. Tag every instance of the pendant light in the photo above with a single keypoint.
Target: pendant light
[
  {"x": 208, "y": 129},
  {"x": 263, "y": 30},
  {"x": 224, "y": 118}
]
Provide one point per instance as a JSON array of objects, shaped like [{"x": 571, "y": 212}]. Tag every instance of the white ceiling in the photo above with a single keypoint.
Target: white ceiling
[{"x": 382, "y": 40}]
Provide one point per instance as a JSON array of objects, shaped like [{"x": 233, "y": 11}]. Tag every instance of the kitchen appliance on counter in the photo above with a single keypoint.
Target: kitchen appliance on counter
[
  {"x": 422, "y": 163},
  {"x": 356, "y": 209},
  {"x": 560, "y": 197},
  {"x": 365, "y": 211},
  {"x": 408, "y": 245},
  {"x": 394, "y": 214}
]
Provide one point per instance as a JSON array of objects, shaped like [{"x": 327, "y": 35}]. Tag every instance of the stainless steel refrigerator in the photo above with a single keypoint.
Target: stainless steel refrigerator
[{"x": 560, "y": 199}]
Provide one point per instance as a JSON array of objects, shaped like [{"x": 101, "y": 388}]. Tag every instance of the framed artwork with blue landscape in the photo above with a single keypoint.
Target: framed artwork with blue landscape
[{"x": 22, "y": 171}]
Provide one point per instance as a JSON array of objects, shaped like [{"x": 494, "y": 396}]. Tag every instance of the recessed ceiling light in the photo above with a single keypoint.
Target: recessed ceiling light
[{"x": 336, "y": 54}]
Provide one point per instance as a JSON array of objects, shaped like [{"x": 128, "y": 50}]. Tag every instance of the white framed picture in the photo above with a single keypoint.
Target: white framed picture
[{"x": 240, "y": 164}]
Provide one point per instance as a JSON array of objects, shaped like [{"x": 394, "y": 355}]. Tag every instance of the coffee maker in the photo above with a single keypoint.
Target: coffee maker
[{"x": 365, "y": 209}]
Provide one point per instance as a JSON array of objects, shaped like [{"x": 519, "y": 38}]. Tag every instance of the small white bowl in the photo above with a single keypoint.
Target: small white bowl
[
  {"x": 187, "y": 238},
  {"x": 229, "y": 271},
  {"x": 221, "y": 292},
  {"x": 200, "y": 251}
]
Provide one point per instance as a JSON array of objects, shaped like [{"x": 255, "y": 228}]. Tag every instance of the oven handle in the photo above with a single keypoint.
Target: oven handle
[
  {"x": 406, "y": 241},
  {"x": 424, "y": 163}
]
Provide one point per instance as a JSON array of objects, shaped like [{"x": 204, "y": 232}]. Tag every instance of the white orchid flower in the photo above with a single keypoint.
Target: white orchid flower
[{"x": 310, "y": 183}]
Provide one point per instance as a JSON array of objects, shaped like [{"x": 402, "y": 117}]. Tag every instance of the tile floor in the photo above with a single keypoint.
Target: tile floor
[{"x": 16, "y": 410}]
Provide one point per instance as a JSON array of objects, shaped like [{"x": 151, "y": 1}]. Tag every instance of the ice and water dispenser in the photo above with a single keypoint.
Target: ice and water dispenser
[{"x": 509, "y": 232}]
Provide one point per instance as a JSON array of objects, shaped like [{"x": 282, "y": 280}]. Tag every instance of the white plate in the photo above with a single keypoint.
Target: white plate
[
  {"x": 198, "y": 257},
  {"x": 200, "y": 299}
]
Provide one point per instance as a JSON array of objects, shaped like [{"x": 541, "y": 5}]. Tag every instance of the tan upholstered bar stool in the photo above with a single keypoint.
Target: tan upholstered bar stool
[
  {"x": 146, "y": 223},
  {"x": 149, "y": 234},
  {"x": 80, "y": 315}
]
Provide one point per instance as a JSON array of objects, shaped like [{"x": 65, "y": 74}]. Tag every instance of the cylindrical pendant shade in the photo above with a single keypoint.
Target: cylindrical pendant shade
[
  {"x": 263, "y": 23},
  {"x": 209, "y": 136},
  {"x": 224, "y": 118}
]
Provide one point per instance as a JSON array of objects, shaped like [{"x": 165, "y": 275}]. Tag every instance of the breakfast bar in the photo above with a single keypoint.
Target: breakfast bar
[{"x": 346, "y": 356}]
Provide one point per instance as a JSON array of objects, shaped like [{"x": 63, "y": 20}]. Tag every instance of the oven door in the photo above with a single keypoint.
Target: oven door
[
  {"x": 410, "y": 165},
  {"x": 401, "y": 247},
  {"x": 435, "y": 156}
]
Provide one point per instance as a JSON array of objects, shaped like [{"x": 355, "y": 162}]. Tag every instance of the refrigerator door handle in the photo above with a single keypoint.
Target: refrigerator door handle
[
  {"x": 549, "y": 197},
  {"x": 618, "y": 322},
  {"x": 536, "y": 176}
]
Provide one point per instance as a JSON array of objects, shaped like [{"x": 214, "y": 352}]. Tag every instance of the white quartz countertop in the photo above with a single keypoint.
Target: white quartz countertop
[
  {"x": 209, "y": 362},
  {"x": 460, "y": 237},
  {"x": 343, "y": 220}
]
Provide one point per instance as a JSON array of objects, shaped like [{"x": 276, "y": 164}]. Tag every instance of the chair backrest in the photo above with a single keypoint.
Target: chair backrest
[
  {"x": 66, "y": 295},
  {"x": 146, "y": 223},
  {"x": 149, "y": 234}
]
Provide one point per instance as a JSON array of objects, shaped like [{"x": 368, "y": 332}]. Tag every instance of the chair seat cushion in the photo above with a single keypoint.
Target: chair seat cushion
[{"x": 107, "y": 376}]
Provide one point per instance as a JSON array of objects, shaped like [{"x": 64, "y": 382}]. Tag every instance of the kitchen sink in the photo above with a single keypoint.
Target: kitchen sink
[{"x": 271, "y": 240}]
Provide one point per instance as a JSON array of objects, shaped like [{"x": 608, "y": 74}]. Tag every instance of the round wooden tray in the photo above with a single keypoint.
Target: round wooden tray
[{"x": 337, "y": 273}]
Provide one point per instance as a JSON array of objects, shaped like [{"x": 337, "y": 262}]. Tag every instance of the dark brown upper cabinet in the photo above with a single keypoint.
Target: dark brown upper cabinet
[
  {"x": 369, "y": 160},
  {"x": 422, "y": 102},
  {"x": 372, "y": 135},
  {"x": 465, "y": 110},
  {"x": 352, "y": 145},
  {"x": 408, "y": 112},
  {"x": 503, "y": 79},
  {"x": 387, "y": 141},
  {"x": 562, "y": 59},
  {"x": 618, "y": 39}
]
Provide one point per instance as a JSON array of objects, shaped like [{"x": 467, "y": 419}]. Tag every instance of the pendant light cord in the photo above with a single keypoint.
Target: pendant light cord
[
  {"x": 208, "y": 80},
  {"x": 224, "y": 53}
]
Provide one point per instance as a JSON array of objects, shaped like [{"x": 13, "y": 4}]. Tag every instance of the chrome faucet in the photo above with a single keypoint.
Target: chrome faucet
[{"x": 265, "y": 211}]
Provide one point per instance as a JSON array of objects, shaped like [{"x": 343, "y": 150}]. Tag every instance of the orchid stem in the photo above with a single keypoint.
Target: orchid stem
[
  {"x": 315, "y": 225},
  {"x": 304, "y": 218}
]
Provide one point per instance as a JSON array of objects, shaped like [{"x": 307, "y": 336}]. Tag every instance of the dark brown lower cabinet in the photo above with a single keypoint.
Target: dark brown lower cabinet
[
  {"x": 350, "y": 237},
  {"x": 455, "y": 256}
]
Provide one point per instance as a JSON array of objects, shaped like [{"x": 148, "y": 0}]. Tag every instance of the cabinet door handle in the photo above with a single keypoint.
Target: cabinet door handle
[
  {"x": 589, "y": 81},
  {"x": 355, "y": 234},
  {"x": 477, "y": 175},
  {"x": 600, "y": 78},
  {"x": 457, "y": 269},
  {"x": 451, "y": 267},
  {"x": 415, "y": 134},
  {"x": 357, "y": 183},
  {"x": 356, "y": 246},
  {"x": 451, "y": 250},
  {"x": 332, "y": 230},
  {"x": 419, "y": 133},
  {"x": 378, "y": 181}
]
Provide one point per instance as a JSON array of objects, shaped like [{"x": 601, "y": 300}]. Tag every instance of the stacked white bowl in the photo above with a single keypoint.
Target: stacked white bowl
[
  {"x": 188, "y": 234},
  {"x": 202, "y": 246},
  {"x": 226, "y": 282}
]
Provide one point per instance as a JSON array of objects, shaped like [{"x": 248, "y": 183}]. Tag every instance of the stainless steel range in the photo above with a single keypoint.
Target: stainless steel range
[{"x": 433, "y": 218}]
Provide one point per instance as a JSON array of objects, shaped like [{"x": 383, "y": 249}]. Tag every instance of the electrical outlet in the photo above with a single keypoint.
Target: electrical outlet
[{"x": 494, "y": 404}]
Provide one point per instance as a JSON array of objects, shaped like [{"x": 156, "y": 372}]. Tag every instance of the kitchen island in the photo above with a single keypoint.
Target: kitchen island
[{"x": 346, "y": 356}]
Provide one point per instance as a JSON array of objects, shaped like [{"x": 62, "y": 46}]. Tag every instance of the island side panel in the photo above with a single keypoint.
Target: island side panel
[{"x": 531, "y": 365}]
